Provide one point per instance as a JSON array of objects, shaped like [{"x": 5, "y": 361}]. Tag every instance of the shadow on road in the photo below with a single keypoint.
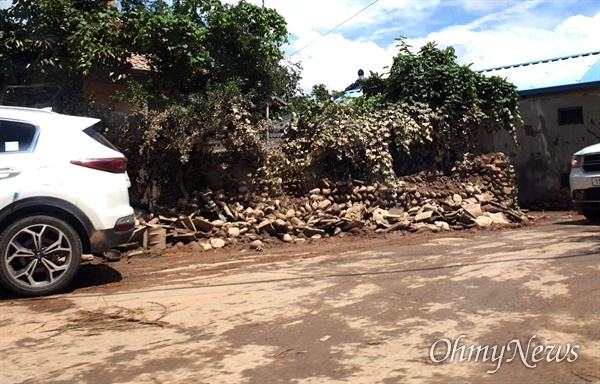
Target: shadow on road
[
  {"x": 582, "y": 222},
  {"x": 87, "y": 277},
  {"x": 93, "y": 276}
]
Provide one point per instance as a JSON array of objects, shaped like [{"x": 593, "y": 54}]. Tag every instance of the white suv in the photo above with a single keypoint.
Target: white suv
[
  {"x": 63, "y": 193},
  {"x": 585, "y": 182}
]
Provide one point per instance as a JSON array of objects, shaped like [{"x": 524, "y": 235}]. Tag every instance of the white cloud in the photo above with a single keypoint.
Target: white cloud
[
  {"x": 507, "y": 32},
  {"x": 483, "y": 6},
  {"x": 319, "y": 15},
  {"x": 5, "y": 4},
  {"x": 513, "y": 42},
  {"x": 335, "y": 61}
]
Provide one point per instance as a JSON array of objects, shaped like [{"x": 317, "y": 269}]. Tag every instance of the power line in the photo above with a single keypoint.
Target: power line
[{"x": 336, "y": 27}]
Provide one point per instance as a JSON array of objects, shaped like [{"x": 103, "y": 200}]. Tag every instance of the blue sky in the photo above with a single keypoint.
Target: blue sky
[{"x": 486, "y": 33}]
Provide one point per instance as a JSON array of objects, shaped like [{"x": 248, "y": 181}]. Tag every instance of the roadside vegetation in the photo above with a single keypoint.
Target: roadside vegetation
[{"x": 213, "y": 70}]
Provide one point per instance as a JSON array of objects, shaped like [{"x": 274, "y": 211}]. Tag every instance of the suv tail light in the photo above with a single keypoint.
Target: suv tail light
[{"x": 112, "y": 165}]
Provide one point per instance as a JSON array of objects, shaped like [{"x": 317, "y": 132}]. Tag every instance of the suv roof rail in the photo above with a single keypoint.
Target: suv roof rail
[{"x": 29, "y": 109}]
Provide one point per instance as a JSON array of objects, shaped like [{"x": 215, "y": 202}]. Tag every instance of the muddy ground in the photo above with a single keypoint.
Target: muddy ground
[{"x": 350, "y": 310}]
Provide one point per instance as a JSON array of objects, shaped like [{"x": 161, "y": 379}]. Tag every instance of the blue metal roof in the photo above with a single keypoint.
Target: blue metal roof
[{"x": 553, "y": 75}]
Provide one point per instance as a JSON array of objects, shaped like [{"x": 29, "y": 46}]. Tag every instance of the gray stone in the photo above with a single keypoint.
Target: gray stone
[
  {"x": 484, "y": 221},
  {"x": 233, "y": 232},
  {"x": 217, "y": 243},
  {"x": 485, "y": 197},
  {"x": 498, "y": 218},
  {"x": 474, "y": 209},
  {"x": 423, "y": 216},
  {"x": 256, "y": 244},
  {"x": 380, "y": 215},
  {"x": 267, "y": 226},
  {"x": 442, "y": 225},
  {"x": 323, "y": 205},
  {"x": 310, "y": 232},
  {"x": 401, "y": 225},
  {"x": 493, "y": 168},
  {"x": 205, "y": 245}
]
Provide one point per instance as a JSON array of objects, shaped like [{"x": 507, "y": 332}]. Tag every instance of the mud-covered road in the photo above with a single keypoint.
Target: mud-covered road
[{"x": 349, "y": 310}]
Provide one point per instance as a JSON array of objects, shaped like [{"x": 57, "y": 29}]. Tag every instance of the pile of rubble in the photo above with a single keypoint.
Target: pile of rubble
[{"x": 479, "y": 193}]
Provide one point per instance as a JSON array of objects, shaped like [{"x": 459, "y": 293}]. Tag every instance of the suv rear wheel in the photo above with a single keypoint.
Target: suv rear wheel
[{"x": 39, "y": 255}]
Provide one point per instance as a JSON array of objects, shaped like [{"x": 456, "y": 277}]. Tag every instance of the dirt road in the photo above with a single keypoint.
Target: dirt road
[{"x": 335, "y": 311}]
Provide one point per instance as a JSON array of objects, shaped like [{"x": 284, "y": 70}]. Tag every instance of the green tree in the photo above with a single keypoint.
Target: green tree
[
  {"x": 60, "y": 41},
  {"x": 425, "y": 114},
  {"x": 433, "y": 77},
  {"x": 188, "y": 44},
  {"x": 462, "y": 102},
  {"x": 320, "y": 93},
  {"x": 214, "y": 68}
]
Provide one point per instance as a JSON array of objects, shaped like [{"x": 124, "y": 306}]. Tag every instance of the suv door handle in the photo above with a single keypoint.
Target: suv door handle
[{"x": 5, "y": 173}]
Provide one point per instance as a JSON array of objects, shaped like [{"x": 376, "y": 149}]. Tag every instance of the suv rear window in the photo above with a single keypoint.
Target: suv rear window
[
  {"x": 16, "y": 137},
  {"x": 94, "y": 134}
]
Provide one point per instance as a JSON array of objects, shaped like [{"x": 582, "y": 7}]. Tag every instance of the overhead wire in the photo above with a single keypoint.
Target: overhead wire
[{"x": 336, "y": 27}]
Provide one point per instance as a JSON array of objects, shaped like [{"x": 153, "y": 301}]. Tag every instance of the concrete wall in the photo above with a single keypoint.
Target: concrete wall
[{"x": 542, "y": 160}]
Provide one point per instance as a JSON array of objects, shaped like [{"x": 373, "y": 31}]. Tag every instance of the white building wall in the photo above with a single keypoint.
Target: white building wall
[{"x": 542, "y": 159}]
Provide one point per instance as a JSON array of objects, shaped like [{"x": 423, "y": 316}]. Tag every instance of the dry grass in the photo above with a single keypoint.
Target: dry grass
[{"x": 115, "y": 318}]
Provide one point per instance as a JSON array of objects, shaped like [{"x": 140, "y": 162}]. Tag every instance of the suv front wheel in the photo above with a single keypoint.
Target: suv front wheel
[{"x": 39, "y": 255}]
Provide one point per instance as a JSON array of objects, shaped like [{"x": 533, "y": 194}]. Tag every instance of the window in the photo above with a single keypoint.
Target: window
[
  {"x": 94, "y": 134},
  {"x": 16, "y": 137},
  {"x": 568, "y": 116}
]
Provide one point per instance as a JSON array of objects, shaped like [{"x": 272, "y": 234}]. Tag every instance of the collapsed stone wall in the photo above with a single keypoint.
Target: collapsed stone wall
[{"x": 480, "y": 192}]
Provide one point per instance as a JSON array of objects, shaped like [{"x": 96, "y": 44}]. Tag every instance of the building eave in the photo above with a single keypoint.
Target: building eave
[{"x": 559, "y": 89}]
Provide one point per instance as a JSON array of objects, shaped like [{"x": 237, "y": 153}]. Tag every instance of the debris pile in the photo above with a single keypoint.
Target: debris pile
[{"x": 479, "y": 193}]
